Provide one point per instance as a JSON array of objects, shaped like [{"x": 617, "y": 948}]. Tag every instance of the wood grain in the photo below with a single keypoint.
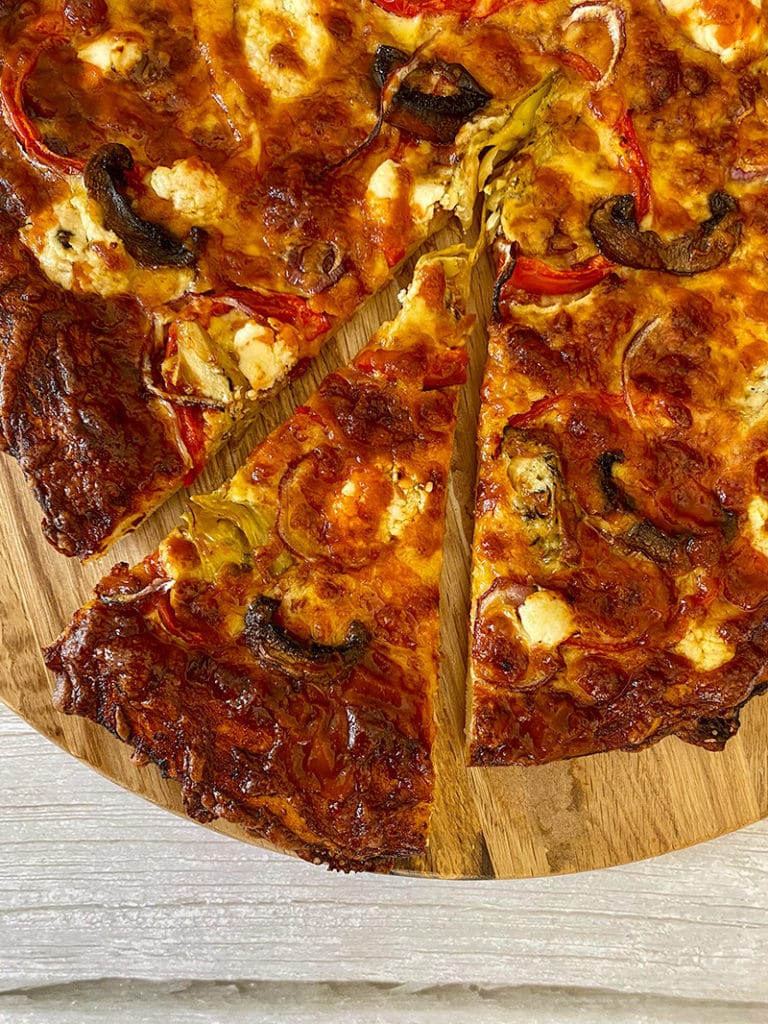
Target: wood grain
[{"x": 506, "y": 823}]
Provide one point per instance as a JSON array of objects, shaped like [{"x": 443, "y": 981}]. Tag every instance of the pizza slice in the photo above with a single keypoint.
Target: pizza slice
[
  {"x": 277, "y": 654},
  {"x": 193, "y": 198},
  {"x": 620, "y": 577}
]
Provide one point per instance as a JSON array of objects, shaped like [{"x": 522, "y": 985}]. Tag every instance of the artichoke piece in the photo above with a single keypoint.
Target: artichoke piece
[
  {"x": 200, "y": 369},
  {"x": 225, "y": 532}
]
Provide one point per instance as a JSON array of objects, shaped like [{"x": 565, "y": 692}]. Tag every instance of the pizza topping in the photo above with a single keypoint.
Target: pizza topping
[
  {"x": 705, "y": 647},
  {"x": 157, "y": 586},
  {"x": 613, "y": 17},
  {"x": 538, "y": 278},
  {"x": 87, "y": 15},
  {"x": 193, "y": 189},
  {"x": 331, "y": 509},
  {"x": 546, "y": 618},
  {"x": 13, "y": 79},
  {"x": 433, "y": 100},
  {"x": 224, "y": 532},
  {"x": 301, "y": 660},
  {"x": 149, "y": 244},
  {"x": 315, "y": 266},
  {"x": 285, "y": 42},
  {"x": 198, "y": 371},
  {"x": 727, "y": 28},
  {"x": 647, "y": 539},
  {"x": 114, "y": 52},
  {"x": 614, "y": 227}
]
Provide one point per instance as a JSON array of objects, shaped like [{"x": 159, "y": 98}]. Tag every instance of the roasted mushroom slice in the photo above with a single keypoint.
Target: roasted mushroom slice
[
  {"x": 149, "y": 244},
  {"x": 433, "y": 100},
  {"x": 301, "y": 660},
  {"x": 614, "y": 227}
]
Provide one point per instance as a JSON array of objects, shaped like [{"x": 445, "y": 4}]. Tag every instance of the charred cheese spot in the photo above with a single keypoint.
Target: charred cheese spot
[
  {"x": 729, "y": 29},
  {"x": 290, "y": 67}
]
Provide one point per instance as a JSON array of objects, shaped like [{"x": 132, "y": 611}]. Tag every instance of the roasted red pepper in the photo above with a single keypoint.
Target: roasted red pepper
[
  {"x": 13, "y": 78},
  {"x": 288, "y": 309},
  {"x": 448, "y": 369},
  {"x": 632, "y": 161},
  {"x": 192, "y": 429},
  {"x": 537, "y": 278}
]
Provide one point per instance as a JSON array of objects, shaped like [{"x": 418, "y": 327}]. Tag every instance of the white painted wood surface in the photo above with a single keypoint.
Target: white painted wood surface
[{"x": 111, "y": 909}]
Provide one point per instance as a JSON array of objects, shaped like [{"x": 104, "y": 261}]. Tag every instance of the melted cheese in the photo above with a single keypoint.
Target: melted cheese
[
  {"x": 729, "y": 28},
  {"x": 291, "y": 66},
  {"x": 409, "y": 501},
  {"x": 113, "y": 52},
  {"x": 757, "y": 523},
  {"x": 193, "y": 188},
  {"x": 263, "y": 358},
  {"x": 77, "y": 252},
  {"x": 546, "y": 619},
  {"x": 703, "y": 646}
]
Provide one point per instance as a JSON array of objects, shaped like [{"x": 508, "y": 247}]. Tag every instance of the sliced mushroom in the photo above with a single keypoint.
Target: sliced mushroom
[
  {"x": 660, "y": 547},
  {"x": 149, "y": 244},
  {"x": 433, "y": 100},
  {"x": 614, "y": 227},
  {"x": 615, "y": 495},
  {"x": 301, "y": 660}
]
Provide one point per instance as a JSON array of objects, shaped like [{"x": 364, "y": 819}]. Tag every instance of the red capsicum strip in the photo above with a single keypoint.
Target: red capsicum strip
[
  {"x": 537, "y": 278},
  {"x": 631, "y": 158},
  {"x": 13, "y": 78},
  {"x": 288, "y": 309},
  {"x": 192, "y": 429},
  {"x": 633, "y": 162}
]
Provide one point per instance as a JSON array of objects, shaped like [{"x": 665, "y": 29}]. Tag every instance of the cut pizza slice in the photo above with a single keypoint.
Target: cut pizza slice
[
  {"x": 620, "y": 579},
  {"x": 192, "y": 200},
  {"x": 277, "y": 654}
]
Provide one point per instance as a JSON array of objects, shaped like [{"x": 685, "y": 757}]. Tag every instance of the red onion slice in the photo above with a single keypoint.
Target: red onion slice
[
  {"x": 158, "y": 586},
  {"x": 614, "y": 18}
]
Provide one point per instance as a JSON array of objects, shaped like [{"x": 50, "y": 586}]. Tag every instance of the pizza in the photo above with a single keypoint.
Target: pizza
[
  {"x": 278, "y": 653},
  {"x": 195, "y": 199},
  {"x": 619, "y": 571}
]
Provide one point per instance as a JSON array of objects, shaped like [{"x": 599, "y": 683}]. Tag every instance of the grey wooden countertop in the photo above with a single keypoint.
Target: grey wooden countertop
[{"x": 111, "y": 909}]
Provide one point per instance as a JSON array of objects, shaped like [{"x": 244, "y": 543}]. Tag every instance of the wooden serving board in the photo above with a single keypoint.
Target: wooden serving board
[{"x": 499, "y": 822}]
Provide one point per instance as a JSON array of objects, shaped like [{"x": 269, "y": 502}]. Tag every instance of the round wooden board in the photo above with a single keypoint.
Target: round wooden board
[{"x": 502, "y": 822}]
